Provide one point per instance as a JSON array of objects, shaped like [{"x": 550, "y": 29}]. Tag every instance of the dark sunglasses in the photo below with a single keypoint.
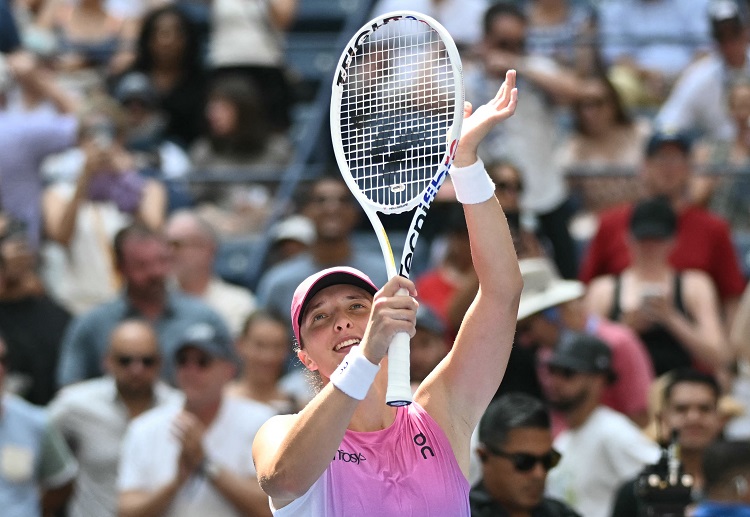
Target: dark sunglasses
[
  {"x": 516, "y": 46},
  {"x": 524, "y": 461},
  {"x": 148, "y": 361},
  {"x": 565, "y": 373},
  {"x": 322, "y": 200},
  {"x": 202, "y": 361},
  {"x": 509, "y": 186}
]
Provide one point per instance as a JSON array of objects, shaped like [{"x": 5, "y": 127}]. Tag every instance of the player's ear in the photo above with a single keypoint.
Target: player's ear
[
  {"x": 305, "y": 359},
  {"x": 482, "y": 453}
]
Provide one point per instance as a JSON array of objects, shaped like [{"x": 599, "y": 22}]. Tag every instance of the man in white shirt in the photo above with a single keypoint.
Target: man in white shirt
[
  {"x": 194, "y": 460},
  {"x": 601, "y": 448},
  {"x": 698, "y": 100},
  {"x": 93, "y": 415}
]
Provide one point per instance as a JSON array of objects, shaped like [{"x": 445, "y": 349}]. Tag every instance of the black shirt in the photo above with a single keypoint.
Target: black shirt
[{"x": 482, "y": 505}]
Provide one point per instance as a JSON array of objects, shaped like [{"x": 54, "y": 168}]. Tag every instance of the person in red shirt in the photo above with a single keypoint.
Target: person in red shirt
[{"x": 703, "y": 240}]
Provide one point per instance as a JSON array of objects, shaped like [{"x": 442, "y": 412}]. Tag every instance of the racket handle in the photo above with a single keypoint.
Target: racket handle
[{"x": 399, "y": 381}]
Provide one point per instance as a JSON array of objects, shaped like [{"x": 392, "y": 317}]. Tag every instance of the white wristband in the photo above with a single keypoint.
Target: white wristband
[
  {"x": 472, "y": 184},
  {"x": 355, "y": 374}
]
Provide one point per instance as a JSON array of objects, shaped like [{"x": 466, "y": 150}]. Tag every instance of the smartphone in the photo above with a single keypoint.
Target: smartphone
[{"x": 650, "y": 293}]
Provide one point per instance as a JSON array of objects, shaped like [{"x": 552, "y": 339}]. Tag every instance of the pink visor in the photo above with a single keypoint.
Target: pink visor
[{"x": 319, "y": 281}]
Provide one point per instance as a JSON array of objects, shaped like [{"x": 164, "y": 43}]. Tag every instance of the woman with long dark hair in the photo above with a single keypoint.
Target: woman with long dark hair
[{"x": 169, "y": 51}]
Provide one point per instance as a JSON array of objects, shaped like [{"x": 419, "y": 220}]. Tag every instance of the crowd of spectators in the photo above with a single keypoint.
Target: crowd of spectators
[{"x": 136, "y": 139}]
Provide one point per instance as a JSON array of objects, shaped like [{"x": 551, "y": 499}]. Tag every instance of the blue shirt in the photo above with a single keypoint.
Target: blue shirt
[
  {"x": 713, "y": 509},
  {"x": 9, "y": 40},
  {"x": 87, "y": 337},
  {"x": 33, "y": 455}
]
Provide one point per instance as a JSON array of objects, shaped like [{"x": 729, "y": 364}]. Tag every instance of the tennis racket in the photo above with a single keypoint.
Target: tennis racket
[{"x": 396, "y": 113}]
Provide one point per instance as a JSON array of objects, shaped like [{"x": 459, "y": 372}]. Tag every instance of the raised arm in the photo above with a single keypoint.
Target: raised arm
[{"x": 459, "y": 390}]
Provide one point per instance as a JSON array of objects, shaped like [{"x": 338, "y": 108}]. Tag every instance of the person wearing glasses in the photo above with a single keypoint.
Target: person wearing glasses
[
  {"x": 143, "y": 260},
  {"x": 600, "y": 448},
  {"x": 515, "y": 450},
  {"x": 546, "y": 87},
  {"x": 193, "y": 459},
  {"x": 92, "y": 415}
]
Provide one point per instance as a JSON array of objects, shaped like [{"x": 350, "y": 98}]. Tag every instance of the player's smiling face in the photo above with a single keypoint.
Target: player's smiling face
[{"x": 334, "y": 321}]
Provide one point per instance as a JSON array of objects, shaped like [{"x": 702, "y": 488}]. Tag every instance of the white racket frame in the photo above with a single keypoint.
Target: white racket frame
[{"x": 399, "y": 391}]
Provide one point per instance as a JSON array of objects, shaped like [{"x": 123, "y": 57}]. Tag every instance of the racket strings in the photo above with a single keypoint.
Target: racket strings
[{"x": 397, "y": 106}]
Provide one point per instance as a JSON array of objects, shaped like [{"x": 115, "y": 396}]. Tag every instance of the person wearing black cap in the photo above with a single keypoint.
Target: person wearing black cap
[
  {"x": 702, "y": 240},
  {"x": 193, "y": 459},
  {"x": 676, "y": 313},
  {"x": 601, "y": 448},
  {"x": 696, "y": 102},
  {"x": 347, "y": 453}
]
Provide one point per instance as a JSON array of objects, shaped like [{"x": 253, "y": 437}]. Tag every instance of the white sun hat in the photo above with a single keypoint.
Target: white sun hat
[{"x": 543, "y": 288}]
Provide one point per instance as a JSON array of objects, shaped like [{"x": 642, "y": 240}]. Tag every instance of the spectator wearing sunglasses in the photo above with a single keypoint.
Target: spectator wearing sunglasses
[
  {"x": 601, "y": 448},
  {"x": 93, "y": 415},
  {"x": 194, "y": 459},
  {"x": 515, "y": 450},
  {"x": 523, "y": 225}
]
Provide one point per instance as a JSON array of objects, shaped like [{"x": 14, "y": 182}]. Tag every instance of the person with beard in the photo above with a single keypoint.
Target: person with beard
[
  {"x": 93, "y": 415},
  {"x": 142, "y": 259},
  {"x": 515, "y": 449},
  {"x": 332, "y": 209},
  {"x": 601, "y": 448},
  {"x": 690, "y": 406}
]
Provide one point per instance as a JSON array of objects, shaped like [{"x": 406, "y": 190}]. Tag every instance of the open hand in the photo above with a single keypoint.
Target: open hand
[{"x": 476, "y": 125}]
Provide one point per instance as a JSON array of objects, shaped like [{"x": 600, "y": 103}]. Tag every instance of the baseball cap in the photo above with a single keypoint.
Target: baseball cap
[
  {"x": 726, "y": 17},
  {"x": 661, "y": 137},
  {"x": 543, "y": 288},
  {"x": 319, "y": 281},
  {"x": 653, "y": 219},
  {"x": 135, "y": 86},
  {"x": 295, "y": 228},
  {"x": 583, "y": 353},
  {"x": 208, "y": 339}
]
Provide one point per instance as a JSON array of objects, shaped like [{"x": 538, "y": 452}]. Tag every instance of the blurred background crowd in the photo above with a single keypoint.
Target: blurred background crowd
[{"x": 170, "y": 162}]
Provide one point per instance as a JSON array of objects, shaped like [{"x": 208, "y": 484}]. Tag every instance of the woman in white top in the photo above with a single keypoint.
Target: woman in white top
[{"x": 83, "y": 213}]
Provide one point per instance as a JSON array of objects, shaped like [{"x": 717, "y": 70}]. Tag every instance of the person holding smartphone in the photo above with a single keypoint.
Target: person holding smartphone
[
  {"x": 676, "y": 313},
  {"x": 97, "y": 191}
]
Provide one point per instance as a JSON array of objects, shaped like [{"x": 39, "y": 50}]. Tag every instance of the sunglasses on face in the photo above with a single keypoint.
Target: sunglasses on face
[
  {"x": 565, "y": 373},
  {"x": 323, "y": 200},
  {"x": 524, "y": 461},
  {"x": 147, "y": 361},
  {"x": 202, "y": 361},
  {"x": 516, "y": 46}
]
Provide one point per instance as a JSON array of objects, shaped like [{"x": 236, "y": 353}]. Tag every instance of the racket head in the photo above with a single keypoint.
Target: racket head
[{"x": 396, "y": 110}]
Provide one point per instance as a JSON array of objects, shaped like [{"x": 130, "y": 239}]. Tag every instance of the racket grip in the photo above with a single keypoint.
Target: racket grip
[{"x": 399, "y": 379}]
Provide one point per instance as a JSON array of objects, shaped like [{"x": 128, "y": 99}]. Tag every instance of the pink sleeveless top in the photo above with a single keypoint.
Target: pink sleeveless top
[{"x": 406, "y": 470}]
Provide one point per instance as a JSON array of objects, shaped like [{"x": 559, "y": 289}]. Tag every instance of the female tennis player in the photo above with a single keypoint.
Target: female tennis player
[{"x": 347, "y": 453}]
